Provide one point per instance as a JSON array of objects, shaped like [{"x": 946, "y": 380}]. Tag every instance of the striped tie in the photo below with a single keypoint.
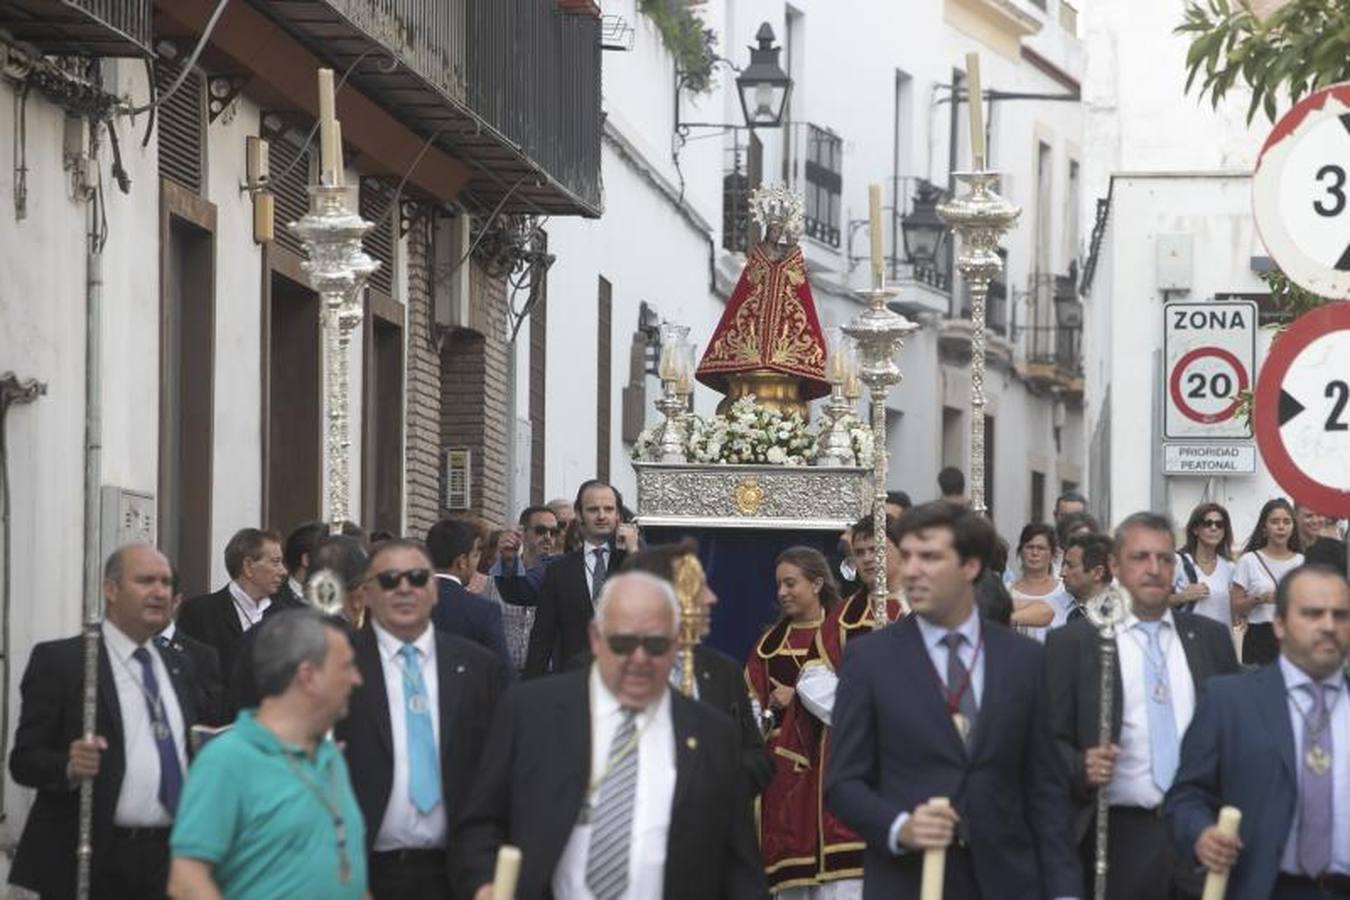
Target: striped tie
[{"x": 612, "y": 823}]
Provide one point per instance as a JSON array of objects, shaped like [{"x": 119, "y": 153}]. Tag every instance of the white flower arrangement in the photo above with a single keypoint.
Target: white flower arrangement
[
  {"x": 750, "y": 434},
  {"x": 860, "y": 439}
]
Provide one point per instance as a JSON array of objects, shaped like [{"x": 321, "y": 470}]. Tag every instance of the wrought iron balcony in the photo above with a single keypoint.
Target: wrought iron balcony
[
  {"x": 1053, "y": 337},
  {"x": 80, "y": 27},
  {"x": 510, "y": 86}
]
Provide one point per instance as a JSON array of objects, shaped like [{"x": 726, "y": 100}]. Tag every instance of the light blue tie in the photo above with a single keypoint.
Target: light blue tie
[
  {"x": 424, "y": 774},
  {"x": 1162, "y": 725}
]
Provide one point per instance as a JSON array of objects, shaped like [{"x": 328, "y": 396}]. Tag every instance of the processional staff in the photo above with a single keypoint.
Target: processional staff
[{"x": 1106, "y": 611}]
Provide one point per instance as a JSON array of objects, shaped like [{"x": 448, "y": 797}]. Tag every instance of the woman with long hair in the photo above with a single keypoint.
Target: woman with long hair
[
  {"x": 808, "y": 854},
  {"x": 1204, "y": 576},
  {"x": 1270, "y": 552},
  {"x": 1040, "y": 601}
]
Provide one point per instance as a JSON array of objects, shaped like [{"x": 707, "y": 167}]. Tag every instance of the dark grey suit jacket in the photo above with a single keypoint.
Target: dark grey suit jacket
[{"x": 1074, "y": 670}]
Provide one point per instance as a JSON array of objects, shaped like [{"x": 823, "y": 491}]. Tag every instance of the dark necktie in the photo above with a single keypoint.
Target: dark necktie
[
  {"x": 1077, "y": 612},
  {"x": 170, "y": 773},
  {"x": 597, "y": 573},
  {"x": 958, "y": 679}
]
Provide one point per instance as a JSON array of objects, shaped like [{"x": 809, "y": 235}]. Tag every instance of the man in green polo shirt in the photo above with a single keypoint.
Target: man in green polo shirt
[{"x": 268, "y": 810}]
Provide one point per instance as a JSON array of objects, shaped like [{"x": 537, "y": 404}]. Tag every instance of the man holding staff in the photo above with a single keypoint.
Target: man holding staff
[
  {"x": 1275, "y": 744},
  {"x": 944, "y": 705},
  {"x": 1163, "y": 659}
]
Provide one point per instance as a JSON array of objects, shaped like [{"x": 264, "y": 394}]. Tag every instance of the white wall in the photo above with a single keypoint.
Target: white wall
[
  {"x": 1215, "y": 211},
  {"x": 651, "y": 246}
]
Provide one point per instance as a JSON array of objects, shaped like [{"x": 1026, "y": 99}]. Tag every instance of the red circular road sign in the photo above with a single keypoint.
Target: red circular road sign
[
  {"x": 1179, "y": 398},
  {"x": 1302, "y": 410}
]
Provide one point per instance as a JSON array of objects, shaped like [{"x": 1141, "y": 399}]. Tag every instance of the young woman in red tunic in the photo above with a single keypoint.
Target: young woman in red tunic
[{"x": 808, "y": 854}]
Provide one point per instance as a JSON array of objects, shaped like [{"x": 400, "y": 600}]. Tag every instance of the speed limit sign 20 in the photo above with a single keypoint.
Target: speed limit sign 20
[
  {"x": 1301, "y": 192},
  {"x": 1209, "y": 349}
]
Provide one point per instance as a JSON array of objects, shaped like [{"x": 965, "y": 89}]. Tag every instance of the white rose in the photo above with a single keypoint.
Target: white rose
[{"x": 776, "y": 455}]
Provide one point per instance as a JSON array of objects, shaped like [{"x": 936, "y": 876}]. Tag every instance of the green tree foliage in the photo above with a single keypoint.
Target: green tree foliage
[
  {"x": 1303, "y": 46},
  {"x": 688, "y": 40}
]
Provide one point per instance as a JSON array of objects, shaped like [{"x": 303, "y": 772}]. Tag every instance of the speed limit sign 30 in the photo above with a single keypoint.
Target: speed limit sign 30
[{"x": 1301, "y": 192}]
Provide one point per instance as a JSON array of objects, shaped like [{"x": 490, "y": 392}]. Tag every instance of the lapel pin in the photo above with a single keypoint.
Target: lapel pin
[
  {"x": 459, "y": 668},
  {"x": 691, "y": 742}
]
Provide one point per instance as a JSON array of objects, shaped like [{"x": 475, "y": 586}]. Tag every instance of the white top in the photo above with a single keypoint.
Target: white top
[
  {"x": 1255, "y": 580},
  {"x": 249, "y": 611},
  {"x": 1132, "y": 784},
  {"x": 1338, "y": 705},
  {"x": 138, "y": 803},
  {"x": 1217, "y": 604},
  {"x": 403, "y": 827},
  {"x": 1060, "y": 600},
  {"x": 651, "y": 805}
]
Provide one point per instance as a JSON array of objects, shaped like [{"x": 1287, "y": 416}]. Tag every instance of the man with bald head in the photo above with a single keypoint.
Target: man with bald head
[
  {"x": 138, "y": 757},
  {"x": 610, "y": 783}
]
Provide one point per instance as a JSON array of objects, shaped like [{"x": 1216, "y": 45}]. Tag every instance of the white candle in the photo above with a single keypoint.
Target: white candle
[
  {"x": 329, "y": 154},
  {"x": 508, "y": 871},
  {"x": 934, "y": 865},
  {"x": 975, "y": 99},
  {"x": 874, "y": 227},
  {"x": 1216, "y": 883}
]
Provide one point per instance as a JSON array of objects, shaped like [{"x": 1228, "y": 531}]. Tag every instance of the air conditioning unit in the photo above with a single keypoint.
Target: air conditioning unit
[
  {"x": 458, "y": 477},
  {"x": 450, "y": 265}
]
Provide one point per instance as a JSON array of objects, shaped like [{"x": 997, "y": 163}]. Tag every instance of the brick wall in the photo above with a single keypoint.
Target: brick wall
[
  {"x": 473, "y": 408},
  {"x": 423, "y": 461}
]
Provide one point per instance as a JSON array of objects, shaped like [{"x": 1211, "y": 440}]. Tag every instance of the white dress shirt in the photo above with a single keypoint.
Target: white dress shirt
[
  {"x": 296, "y": 587},
  {"x": 403, "y": 826},
  {"x": 168, "y": 632},
  {"x": 651, "y": 805},
  {"x": 249, "y": 611},
  {"x": 138, "y": 803},
  {"x": 1132, "y": 782},
  {"x": 588, "y": 557},
  {"x": 937, "y": 653},
  {"x": 1339, "y": 710}
]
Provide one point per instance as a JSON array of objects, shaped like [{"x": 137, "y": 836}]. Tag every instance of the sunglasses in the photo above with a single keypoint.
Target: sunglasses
[
  {"x": 1211, "y": 523},
  {"x": 541, "y": 530},
  {"x": 626, "y": 644},
  {"x": 389, "y": 579}
]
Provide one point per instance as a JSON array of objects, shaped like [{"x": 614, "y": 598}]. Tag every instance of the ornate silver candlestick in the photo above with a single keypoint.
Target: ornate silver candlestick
[
  {"x": 880, "y": 334},
  {"x": 337, "y": 268},
  {"x": 1106, "y": 611},
  {"x": 980, "y": 217},
  {"x": 837, "y": 448}
]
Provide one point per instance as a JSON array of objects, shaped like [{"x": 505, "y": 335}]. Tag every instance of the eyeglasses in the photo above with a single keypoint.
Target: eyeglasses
[
  {"x": 389, "y": 579},
  {"x": 1211, "y": 523},
  {"x": 541, "y": 530},
  {"x": 626, "y": 644}
]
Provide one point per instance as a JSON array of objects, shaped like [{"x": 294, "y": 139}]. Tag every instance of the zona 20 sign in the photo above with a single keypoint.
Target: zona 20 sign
[{"x": 1209, "y": 350}]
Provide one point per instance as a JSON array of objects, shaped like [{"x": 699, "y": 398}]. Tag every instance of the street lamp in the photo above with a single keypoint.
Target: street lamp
[
  {"x": 922, "y": 229},
  {"x": 764, "y": 86}
]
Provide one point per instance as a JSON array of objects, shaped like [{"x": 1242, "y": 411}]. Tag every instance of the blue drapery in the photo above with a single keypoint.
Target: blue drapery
[{"x": 739, "y": 563}]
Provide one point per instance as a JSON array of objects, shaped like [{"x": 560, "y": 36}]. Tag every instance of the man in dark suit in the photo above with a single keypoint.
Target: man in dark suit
[
  {"x": 1164, "y": 658},
  {"x": 138, "y": 758},
  {"x": 570, "y": 586},
  {"x": 607, "y": 780},
  {"x": 415, "y": 726},
  {"x": 296, "y": 554},
  {"x": 455, "y": 548},
  {"x": 943, "y": 704},
  {"x": 254, "y": 563},
  {"x": 719, "y": 680},
  {"x": 203, "y": 664},
  {"x": 1275, "y": 743}
]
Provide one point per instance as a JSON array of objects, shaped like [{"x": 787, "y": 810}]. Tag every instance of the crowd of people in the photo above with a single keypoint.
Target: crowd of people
[{"x": 523, "y": 686}]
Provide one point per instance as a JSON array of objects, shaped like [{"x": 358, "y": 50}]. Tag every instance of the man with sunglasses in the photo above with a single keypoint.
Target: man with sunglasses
[
  {"x": 610, "y": 782},
  {"x": 415, "y": 727},
  {"x": 532, "y": 544}
]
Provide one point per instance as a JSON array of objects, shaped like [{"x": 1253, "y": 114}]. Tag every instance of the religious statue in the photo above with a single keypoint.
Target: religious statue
[{"x": 769, "y": 341}]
